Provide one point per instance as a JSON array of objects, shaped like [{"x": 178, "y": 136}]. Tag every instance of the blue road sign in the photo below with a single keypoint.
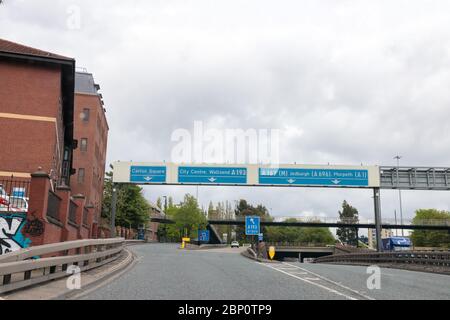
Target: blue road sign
[
  {"x": 252, "y": 226},
  {"x": 212, "y": 175},
  {"x": 261, "y": 237},
  {"x": 148, "y": 175},
  {"x": 203, "y": 235},
  {"x": 314, "y": 177}
]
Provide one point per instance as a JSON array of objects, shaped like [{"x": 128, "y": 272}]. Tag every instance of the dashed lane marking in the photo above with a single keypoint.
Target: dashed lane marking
[
  {"x": 331, "y": 281},
  {"x": 312, "y": 283}
]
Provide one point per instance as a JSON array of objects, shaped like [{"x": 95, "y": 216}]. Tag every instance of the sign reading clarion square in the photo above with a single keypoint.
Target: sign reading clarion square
[
  {"x": 148, "y": 175},
  {"x": 247, "y": 175}
]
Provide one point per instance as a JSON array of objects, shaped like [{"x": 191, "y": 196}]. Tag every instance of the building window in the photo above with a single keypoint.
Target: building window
[
  {"x": 84, "y": 144},
  {"x": 81, "y": 175},
  {"x": 86, "y": 114}
]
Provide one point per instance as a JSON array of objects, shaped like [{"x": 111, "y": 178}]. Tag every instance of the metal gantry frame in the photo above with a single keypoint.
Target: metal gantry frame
[{"x": 391, "y": 178}]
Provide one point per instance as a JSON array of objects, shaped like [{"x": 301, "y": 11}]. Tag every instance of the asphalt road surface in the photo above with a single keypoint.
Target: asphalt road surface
[{"x": 163, "y": 272}]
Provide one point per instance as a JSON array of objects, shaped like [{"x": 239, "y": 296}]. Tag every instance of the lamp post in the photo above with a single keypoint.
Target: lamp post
[
  {"x": 399, "y": 192},
  {"x": 165, "y": 218}
]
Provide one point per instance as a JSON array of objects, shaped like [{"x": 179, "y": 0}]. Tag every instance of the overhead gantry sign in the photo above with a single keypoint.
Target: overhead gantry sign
[{"x": 247, "y": 175}]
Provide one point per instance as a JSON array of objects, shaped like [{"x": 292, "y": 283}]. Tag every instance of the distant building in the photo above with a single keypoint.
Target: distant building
[
  {"x": 385, "y": 234},
  {"x": 91, "y": 132},
  {"x": 36, "y": 112},
  {"x": 151, "y": 232}
]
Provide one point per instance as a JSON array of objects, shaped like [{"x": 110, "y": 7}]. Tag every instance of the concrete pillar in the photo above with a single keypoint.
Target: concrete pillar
[{"x": 378, "y": 223}]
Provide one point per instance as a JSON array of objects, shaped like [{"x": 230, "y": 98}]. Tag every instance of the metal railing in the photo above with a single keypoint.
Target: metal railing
[
  {"x": 14, "y": 195},
  {"x": 437, "y": 259},
  {"x": 21, "y": 269},
  {"x": 350, "y": 221},
  {"x": 54, "y": 204}
]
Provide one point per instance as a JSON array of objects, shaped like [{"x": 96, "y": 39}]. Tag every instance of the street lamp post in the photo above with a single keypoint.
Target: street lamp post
[
  {"x": 165, "y": 218},
  {"x": 399, "y": 192}
]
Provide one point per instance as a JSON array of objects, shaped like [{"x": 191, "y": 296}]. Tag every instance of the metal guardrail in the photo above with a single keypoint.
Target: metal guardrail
[
  {"x": 437, "y": 259},
  {"x": 24, "y": 268}
]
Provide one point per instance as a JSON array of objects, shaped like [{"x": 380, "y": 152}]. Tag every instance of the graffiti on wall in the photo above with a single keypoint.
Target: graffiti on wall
[{"x": 11, "y": 236}]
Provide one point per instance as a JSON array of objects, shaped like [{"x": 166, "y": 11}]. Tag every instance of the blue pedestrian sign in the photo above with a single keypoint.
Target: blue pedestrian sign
[
  {"x": 314, "y": 177},
  {"x": 252, "y": 226},
  {"x": 203, "y": 235},
  {"x": 148, "y": 175},
  {"x": 212, "y": 175}
]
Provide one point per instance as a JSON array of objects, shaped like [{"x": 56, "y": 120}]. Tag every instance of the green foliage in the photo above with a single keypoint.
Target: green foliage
[
  {"x": 430, "y": 238},
  {"x": 132, "y": 208},
  {"x": 188, "y": 218},
  {"x": 348, "y": 214},
  {"x": 300, "y": 235}
]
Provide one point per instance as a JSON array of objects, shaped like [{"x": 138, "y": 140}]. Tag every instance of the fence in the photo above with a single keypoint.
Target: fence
[
  {"x": 20, "y": 269},
  {"x": 437, "y": 259},
  {"x": 14, "y": 195}
]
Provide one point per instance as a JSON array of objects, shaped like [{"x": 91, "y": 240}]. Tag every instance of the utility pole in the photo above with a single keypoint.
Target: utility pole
[
  {"x": 399, "y": 192},
  {"x": 396, "y": 223},
  {"x": 113, "y": 210},
  {"x": 378, "y": 224}
]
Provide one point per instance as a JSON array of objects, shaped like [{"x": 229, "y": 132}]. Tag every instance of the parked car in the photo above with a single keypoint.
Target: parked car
[
  {"x": 18, "y": 204},
  {"x": 235, "y": 244},
  {"x": 13, "y": 204}
]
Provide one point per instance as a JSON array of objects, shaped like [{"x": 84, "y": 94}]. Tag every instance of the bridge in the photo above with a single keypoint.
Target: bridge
[{"x": 321, "y": 222}]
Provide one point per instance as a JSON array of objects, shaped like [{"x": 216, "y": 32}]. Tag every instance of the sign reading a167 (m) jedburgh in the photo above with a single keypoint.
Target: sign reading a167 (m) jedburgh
[{"x": 247, "y": 175}]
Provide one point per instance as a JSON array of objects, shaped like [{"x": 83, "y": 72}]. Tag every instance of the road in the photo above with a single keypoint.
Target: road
[{"x": 163, "y": 272}]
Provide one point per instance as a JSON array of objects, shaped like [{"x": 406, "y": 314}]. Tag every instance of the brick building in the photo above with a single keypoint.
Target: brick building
[
  {"x": 91, "y": 132},
  {"x": 36, "y": 112}
]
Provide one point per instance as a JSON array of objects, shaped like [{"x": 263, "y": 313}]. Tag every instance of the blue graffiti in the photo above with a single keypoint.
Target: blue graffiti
[{"x": 11, "y": 233}]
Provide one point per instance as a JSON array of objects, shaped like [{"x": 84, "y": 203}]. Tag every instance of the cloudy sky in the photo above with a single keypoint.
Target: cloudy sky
[{"x": 346, "y": 82}]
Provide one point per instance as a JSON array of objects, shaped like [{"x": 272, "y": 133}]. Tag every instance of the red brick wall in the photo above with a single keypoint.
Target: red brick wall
[
  {"x": 96, "y": 131},
  {"x": 29, "y": 90}
]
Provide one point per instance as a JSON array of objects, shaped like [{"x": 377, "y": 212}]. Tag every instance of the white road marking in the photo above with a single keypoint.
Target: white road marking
[
  {"x": 333, "y": 282},
  {"x": 311, "y": 282}
]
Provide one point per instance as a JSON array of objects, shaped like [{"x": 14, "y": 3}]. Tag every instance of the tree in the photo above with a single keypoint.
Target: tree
[
  {"x": 349, "y": 215},
  {"x": 322, "y": 236},
  {"x": 188, "y": 218},
  {"x": 159, "y": 203},
  {"x": 132, "y": 208},
  {"x": 430, "y": 238},
  {"x": 244, "y": 209}
]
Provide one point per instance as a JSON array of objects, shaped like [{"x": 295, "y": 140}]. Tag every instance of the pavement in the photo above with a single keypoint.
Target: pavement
[
  {"x": 90, "y": 280},
  {"x": 164, "y": 272}
]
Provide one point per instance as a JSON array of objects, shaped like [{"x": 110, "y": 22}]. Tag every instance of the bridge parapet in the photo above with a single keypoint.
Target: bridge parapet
[{"x": 22, "y": 269}]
